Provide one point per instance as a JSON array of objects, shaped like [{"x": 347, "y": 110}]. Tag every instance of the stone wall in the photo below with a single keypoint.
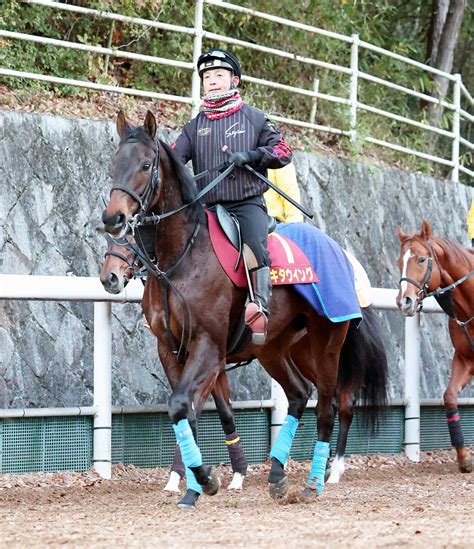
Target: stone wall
[{"x": 53, "y": 172}]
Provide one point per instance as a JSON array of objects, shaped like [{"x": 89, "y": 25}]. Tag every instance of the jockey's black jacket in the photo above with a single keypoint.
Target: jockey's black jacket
[{"x": 202, "y": 141}]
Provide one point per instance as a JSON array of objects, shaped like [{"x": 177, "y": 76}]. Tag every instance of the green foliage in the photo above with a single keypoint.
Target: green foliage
[{"x": 400, "y": 26}]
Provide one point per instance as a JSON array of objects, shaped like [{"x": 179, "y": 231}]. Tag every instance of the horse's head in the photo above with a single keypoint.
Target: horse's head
[
  {"x": 136, "y": 174},
  {"x": 416, "y": 268},
  {"x": 118, "y": 268}
]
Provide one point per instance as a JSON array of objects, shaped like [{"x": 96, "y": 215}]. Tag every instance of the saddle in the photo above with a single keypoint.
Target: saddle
[{"x": 231, "y": 228}]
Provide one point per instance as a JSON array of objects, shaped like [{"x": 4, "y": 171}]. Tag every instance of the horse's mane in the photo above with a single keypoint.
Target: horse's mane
[
  {"x": 459, "y": 253},
  {"x": 187, "y": 184},
  {"x": 454, "y": 250}
]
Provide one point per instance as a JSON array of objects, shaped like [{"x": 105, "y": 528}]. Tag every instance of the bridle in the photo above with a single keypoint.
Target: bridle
[
  {"x": 144, "y": 199},
  {"x": 425, "y": 282},
  {"x": 423, "y": 292},
  {"x": 131, "y": 259}
]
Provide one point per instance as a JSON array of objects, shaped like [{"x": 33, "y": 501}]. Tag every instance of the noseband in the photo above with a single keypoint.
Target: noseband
[{"x": 130, "y": 259}]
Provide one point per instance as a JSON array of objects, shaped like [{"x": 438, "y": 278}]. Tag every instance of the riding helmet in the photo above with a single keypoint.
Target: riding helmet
[{"x": 218, "y": 58}]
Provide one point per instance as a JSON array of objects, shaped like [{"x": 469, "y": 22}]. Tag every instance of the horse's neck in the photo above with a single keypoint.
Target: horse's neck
[
  {"x": 453, "y": 270},
  {"x": 173, "y": 233}
]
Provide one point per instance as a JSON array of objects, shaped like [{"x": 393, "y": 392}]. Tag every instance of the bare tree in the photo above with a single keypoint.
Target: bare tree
[{"x": 446, "y": 21}]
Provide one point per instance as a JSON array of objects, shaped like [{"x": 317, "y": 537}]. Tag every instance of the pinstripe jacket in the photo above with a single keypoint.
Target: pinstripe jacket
[{"x": 202, "y": 141}]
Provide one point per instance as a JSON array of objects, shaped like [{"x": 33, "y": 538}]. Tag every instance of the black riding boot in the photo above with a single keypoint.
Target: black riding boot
[{"x": 257, "y": 311}]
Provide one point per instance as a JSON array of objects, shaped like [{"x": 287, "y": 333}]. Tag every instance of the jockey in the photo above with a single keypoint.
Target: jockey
[
  {"x": 278, "y": 207},
  {"x": 470, "y": 223},
  {"x": 227, "y": 123}
]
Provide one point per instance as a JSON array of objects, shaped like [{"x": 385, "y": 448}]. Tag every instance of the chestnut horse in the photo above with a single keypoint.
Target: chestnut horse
[
  {"x": 191, "y": 300},
  {"x": 435, "y": 266}
]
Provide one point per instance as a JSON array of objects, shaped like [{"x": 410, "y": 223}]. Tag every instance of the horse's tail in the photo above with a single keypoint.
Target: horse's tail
[{"x": 363, "y": 366}]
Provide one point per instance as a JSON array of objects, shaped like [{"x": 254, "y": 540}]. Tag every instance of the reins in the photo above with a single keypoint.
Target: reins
[{"x": 141, "y": 219}]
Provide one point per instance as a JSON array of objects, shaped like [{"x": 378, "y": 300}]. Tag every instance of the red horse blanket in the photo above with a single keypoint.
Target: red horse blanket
[{"x": 289, "y": 265}]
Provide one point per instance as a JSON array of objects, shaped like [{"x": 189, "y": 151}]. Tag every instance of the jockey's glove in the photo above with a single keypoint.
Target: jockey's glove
[{"x": 247, "y": 157}]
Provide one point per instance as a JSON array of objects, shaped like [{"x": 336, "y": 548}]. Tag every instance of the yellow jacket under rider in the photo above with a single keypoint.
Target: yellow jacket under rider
[
  {"x": 470, "y": 221},
  {"x": 278, "y": 207}
]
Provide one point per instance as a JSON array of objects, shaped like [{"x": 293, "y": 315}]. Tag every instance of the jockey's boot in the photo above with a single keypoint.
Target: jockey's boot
[{"x": 257, "y": 311}]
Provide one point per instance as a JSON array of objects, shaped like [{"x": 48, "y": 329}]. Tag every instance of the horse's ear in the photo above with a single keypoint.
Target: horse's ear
[
  {"x": 122, "y": 125},
  {"x": 150, "y": 124},
  {"x": 401, "y": 235},
  {"x": 426, "y": 229}
]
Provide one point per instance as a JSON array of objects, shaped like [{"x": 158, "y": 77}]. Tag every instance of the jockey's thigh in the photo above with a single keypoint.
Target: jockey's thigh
[{"x": 253, "y": 220}]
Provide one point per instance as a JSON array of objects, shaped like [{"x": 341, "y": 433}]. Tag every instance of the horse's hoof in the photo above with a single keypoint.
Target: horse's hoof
[
  {"x": 188, "y": 501},
  {"x": 466, "y": 466},
  {"x": 212, "y": 485},
  {"x": 237, "y": 482},
  {"x": 309, "y": 493},
  {"x": 279, "y": 489}
]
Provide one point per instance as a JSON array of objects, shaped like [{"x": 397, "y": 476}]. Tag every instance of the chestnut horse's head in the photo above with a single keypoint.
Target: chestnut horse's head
[
  {"x": 136, "y": 174},
  {"x": 120, "y": 264},
  {"x": 416, "y": 268}
]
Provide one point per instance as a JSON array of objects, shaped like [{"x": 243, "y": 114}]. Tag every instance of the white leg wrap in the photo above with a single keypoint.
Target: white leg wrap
[
  {"x": 337, "y": 469},
  {"x": 237, "y": 482},
  {"x": 173, "y": 483}
]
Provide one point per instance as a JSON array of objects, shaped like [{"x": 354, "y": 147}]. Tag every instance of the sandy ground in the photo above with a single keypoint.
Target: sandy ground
[{"x": 382, "y": 501}]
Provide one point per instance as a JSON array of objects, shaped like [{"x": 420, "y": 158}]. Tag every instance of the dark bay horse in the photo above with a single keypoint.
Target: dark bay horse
[
  {"x": 191, "y": 300},
  {"x": 120, "y": 265},
  {"x": 366, "y": 385},
  {"x": 436, "y": 266}
]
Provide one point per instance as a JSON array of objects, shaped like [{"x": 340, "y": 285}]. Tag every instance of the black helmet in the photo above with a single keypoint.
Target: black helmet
[{"x": 218, "y": 58}]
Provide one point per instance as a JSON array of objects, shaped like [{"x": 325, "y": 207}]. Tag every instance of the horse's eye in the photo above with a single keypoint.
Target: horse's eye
[
  {"x": 421, "y": 260},
  {"x": 146, "y": 166}
]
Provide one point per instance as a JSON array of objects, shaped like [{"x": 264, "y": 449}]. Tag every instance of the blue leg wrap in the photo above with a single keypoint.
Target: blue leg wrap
[
  {"x": 189, "y": 449},
  {"x": 281, "y": 448},
  {"x": 318, "y": 468},
  {"x": 191, "y": 482}
]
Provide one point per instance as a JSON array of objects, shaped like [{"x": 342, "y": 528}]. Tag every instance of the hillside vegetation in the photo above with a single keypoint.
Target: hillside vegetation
[{"x": 402, "y": 26}]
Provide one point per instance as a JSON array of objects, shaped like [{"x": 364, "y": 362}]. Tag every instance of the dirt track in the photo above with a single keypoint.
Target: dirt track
[{"x": 382, "y": 501}]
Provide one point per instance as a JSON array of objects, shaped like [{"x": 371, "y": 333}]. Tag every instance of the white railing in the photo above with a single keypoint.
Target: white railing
[
  {"x": 66, "y": 288},
  {"x": 353, "y": 72}
]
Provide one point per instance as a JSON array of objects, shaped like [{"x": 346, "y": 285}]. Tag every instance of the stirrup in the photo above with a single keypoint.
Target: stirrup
[{"x": 257, "y": 321}]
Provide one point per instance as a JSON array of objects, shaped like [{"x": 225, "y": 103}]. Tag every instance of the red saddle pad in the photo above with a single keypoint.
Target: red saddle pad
[{"x": 289, "y": 265}]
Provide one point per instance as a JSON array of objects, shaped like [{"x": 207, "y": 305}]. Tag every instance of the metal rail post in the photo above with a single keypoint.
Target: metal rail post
[
  {"x": 279, "y": 410},
  {"x": 197, "y": 49},
  {"x": 412, "y": 388},
  {"x": 102, "y": 455},
  {"x": 456, "y": 127},
  {"x": 354, "y": 84}
]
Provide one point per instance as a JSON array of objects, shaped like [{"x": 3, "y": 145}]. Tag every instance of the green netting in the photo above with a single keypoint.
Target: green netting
[
  {"x": 147, "y": 440},
  {"x": 434, "y": 432},
  {"x": 388, "y": 439},
  {"x": 46, "y": 444}
]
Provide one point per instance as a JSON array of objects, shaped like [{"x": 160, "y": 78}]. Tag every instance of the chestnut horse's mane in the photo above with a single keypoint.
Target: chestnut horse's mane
[{"x": 452, "y": 249}]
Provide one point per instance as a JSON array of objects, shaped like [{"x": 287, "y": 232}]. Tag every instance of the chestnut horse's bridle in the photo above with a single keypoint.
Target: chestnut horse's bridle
[{"x": 437, "y": 294}]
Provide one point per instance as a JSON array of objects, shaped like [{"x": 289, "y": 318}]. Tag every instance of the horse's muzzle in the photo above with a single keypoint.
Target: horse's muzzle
[
  {"x": 407, "y": 305},
  {"x": 114, "y": 224},
  {"x": 113, "y": 284}
]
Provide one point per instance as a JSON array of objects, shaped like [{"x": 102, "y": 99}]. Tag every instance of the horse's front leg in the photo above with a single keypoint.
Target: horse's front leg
[
  {"x": 195, "y": 385},
  {"x": 460, "y": 376}
]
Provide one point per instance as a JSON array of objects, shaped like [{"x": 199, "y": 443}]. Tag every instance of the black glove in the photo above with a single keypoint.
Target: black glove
[{"x": 247, "y": 157}]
